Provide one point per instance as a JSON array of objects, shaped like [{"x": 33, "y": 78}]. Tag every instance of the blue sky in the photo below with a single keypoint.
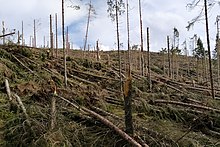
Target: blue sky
[{"x": 160, "y": 15}]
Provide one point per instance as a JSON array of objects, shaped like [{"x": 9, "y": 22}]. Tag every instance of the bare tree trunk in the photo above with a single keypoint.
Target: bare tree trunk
[
  {"x": 51, "y": 36},
  {"x": 7, "y": 34},
  {"x": 97, "y": 51},
  {"x": 118, "y": 45},
  {"x": 64, "y": 50},
  {"x": 128, "y": 31},
  {"x": 197, "y": 69},
  {"x": 44, "y": 42},
  {"x": 168, "y": 52},
  {"x": 177, "y": 66},
  {"x": 163, "y": 62},
  {"x": 56, "y": 35},
  {"x": 128, "y": 87},
  {"x": 142, "y": 42},
  {"x": 148, "y": 63},
  {"x": 3, "y": 31},
  {"x": 67, "y": 40},
  {"x": 35, "y": 39},
  {"x": 209, "y": 49},
  {"x": 87, "y": 26},
  {"x": 8, "y": 90},
  {"x": 22, "y": 29},
  {"x": 172, "y": 64},
  {"x": 18, "y": 43}
]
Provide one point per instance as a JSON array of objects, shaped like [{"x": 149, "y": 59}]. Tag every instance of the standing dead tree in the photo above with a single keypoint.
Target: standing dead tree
[
  {"x": 164, "y": 51},
  {"x": 22, "y": 31},
  {"x": 51, "y": 36},
  {"x": 148, "y": 62},
  {"x": 116, "y": 8},
  {"x": 217, "y": 49},
  {"x": 56, "y": 35},
  {"x": 128, "y": 86},
  {"x": 192, "y": 22},
  {"x": 35, "y": 36},
  {"x": 168, "y": 52},
  {"x": 142, "y": 42},
  {"x": 97, "y": 50},
  {"x": 64, "y": 50},
  {"x": 91, "y": 11},
  {"x": 3, "y": 31},
  {"x": 209, "y": 49}
]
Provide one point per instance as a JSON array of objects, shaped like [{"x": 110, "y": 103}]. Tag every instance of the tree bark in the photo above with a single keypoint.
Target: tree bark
[
  {"x": 22, "y": 29},
  {"x": 3, "y": 32},
  {"x": 56, "y": 35},
  {"x": 209, "y": 49},
  {"x": 8, "y": 90},
  {"x": 168, "y": 49},
  {"x": 142, "y": 42},
  {"x": 186, "y": 104},
  {"x": 64, "y": 50},
  {"x": 87, "y": 26},
  {"x": 148, "y": 53},
  {"x": 118, "y": 45},
  {"x": 51, "y": 36},
  {"x": 7, "y": 34},
  {"x": 35, "y": 38}
]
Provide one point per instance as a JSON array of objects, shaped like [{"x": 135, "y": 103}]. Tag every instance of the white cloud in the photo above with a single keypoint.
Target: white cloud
[{"x": 160, "y": 16}]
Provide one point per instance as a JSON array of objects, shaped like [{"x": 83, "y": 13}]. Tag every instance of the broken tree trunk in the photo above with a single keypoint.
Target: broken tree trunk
[
  {"x": 127, "y": 106},
  {"x": 8, "y": 90},
  {"x": 105, "y": 121},
  {"x": 7, "y": 34},
  {"x": 22, "y": 64},
  {"x": 185, "y": 104}
]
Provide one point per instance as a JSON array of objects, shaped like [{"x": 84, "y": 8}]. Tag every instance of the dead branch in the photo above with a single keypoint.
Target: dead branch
[
  {"x": 7, "y": 34},
  {"x": 107, "y": 113},
  {"x": 97, "y": 76},
  {"x": 185, "y": 104},
  {"x": 22, "y": 63},
  {"x": 83, "y": 80}
]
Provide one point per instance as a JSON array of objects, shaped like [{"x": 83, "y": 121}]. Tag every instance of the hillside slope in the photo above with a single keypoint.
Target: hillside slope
[{"x": 172, "y": 113}]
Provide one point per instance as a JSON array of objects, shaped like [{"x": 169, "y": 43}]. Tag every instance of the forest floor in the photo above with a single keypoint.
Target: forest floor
[{"x": 173, "y": 112}]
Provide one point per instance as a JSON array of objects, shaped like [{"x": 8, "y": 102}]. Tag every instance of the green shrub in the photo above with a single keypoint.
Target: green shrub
[{"x": 26, "y": 52}]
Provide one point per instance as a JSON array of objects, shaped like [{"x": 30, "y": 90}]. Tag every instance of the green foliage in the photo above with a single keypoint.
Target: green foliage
[
  {"x": 215, "y": 51},
  {"x": 43, "y": 57},
  {"x": 200, "y": 51},
  {"x": 4, "y": 54},
  {"x": 26, "y": 52}
]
